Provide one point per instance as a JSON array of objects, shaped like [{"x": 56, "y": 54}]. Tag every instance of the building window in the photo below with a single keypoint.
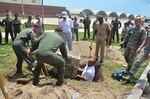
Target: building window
[
  {"x": 14, "y": 0},
  {"x": 33, "y": 1}
]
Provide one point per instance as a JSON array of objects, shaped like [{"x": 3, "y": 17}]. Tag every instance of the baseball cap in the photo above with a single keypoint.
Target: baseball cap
[{"x": 64, "y": 14}]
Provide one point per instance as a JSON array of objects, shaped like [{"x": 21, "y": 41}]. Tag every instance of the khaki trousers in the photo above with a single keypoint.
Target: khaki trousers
[{"x": 100, "y": 45}]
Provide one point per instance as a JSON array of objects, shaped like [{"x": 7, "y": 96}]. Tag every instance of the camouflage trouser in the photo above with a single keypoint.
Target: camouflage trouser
[
  {"x": 129, "y": 57},
  {"x": 51, "y": 59},
  {"x": 139, "y": 60}
]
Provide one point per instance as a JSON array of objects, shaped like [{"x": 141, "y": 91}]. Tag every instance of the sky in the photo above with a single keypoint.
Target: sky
[{"x": 137, "y": 7}]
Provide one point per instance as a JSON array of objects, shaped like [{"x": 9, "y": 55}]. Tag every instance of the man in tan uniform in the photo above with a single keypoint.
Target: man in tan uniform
[{"x": 103, "y": 30}]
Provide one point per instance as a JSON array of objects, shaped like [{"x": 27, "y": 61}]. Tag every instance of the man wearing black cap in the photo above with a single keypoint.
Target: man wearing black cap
[
  {"x": 7, "y": 23},
  {"x": 19, "y": 47}
]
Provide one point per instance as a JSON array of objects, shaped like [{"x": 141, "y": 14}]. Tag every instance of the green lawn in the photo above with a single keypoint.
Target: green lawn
[{"x": 46, "y": 27}]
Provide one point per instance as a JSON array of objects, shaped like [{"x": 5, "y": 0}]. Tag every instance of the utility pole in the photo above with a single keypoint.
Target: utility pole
[
  {"x": 22, "y": 8},
  {"x": 42, "y": 12}
]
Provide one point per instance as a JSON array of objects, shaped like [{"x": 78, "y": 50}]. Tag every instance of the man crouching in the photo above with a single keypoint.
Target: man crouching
[{"x": 46, "y": 46}]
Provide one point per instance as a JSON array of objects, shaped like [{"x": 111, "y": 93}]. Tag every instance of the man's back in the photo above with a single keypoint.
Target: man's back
[
  {"x": 24, "y": 36},
  {"x": 50, "y": 42}
]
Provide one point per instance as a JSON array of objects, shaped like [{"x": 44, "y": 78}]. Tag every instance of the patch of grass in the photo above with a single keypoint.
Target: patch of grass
[
  {"x": 81, "y": 36},
  {"x": 7, "y": 59},
  {"x": 50, "y": 27},
  {"x": 46, "y": 27}
]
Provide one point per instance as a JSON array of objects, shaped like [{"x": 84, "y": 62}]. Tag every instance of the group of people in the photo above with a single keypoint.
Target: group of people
[
  {"x": 135, "y": 39},
  {"x": 13, "y": 26},
  {"x": 137, "y": 49},
  {"x": 44, "y": 45}
]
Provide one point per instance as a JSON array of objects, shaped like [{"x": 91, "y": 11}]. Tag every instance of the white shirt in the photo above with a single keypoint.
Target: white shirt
[
  {"x": 89, "y": 73},
  {"x": 66, "y": 25},
  {"x": 75, "y": 23}
]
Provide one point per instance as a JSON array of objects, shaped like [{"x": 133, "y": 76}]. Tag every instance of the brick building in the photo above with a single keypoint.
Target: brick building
[{"x": 28, "y": 8}]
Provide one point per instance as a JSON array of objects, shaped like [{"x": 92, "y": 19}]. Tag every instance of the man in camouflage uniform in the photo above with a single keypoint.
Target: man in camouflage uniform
[
  {"x": 144, "y": 54},
  {"x": 16, "y": 25},
  {"x": 20, "y": 49},
  {"x": 7, "y": 23},
  {"x": 46, "y": 54},
  {"x": 136, "y": 36}
]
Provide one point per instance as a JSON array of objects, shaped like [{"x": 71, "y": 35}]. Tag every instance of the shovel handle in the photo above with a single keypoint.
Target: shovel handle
[{"x": 3, "y": 87}]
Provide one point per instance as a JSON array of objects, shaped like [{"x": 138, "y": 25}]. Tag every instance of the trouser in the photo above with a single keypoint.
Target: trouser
[
  {"x": 111, "y": 37},
  {"x": 122, "y": 43},
  {"x": 68, "y": 37},
  {"x": 94, "y": 33},
  {"x": 100, "y": 43},
  {"x": 16, "y": 31},
  {"x": 86, "y": 30},
  {"x": 21, "y": 53},
  {"x": 129, "y": 57},
  {"x": 115, "y": 31},
  {"x": 6, "y": 35},
  {"x": 0, "y": 37},
  {"x": 76, "y": 32},
  {"x": 51, "y": 59},
  {"x": 140, "y": 59}
]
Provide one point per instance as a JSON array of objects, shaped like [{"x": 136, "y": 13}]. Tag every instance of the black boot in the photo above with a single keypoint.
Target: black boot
[{"x": 127, "y": 78}]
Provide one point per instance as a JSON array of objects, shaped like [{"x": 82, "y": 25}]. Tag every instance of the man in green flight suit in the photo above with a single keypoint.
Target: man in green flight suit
[
  {"x": 46, "y": 45},
  {"x": 20, "y": 49}
]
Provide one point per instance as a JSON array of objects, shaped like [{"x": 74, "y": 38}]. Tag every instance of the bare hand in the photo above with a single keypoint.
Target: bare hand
[
  {"x": 67, "y": 58},
  {"x": 30, "y": 53},
  {"x": 138, "y": 50}
]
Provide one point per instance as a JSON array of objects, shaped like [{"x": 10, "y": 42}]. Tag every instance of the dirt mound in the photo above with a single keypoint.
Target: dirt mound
[
  {"x": 49, "y": 91},
  {"x": 82, "y": 47}
]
